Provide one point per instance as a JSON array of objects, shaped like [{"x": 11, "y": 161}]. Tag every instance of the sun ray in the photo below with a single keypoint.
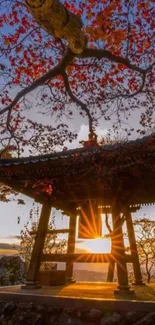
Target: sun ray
[
  {"x": 95, "y": 231},
  {"x": 87, "y": 222}
]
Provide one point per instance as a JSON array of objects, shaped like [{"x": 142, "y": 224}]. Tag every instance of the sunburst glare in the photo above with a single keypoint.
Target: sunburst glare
[{"x": 97, "y": 245}]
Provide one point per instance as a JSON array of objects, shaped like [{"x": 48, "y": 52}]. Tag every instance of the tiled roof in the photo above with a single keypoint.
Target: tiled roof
[{"x": 69, "y": 153}]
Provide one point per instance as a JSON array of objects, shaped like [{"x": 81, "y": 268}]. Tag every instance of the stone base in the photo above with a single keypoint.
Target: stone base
[
  {"x": 138, "y": 283},
  {"x": 123, "y": 290},
  {"x": 30, "y": 285},
  {"x": 70, "y": 280}
]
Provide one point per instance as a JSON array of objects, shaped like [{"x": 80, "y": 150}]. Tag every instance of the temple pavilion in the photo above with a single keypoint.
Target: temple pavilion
[{"x": 88, "y": 181}]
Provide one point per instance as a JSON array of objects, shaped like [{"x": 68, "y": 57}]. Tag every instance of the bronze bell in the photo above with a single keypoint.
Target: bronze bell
[{"x": 90, "y": 221}]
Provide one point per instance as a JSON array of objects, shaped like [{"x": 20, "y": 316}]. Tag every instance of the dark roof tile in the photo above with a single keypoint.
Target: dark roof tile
[{"x": 65, "y": 154}]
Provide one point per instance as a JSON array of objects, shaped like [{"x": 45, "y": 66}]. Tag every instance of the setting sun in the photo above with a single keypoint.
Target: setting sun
[{"x": 97, "y": 245}]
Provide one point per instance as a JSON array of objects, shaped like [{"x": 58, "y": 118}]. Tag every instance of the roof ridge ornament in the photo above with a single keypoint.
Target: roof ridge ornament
[{"x": 92, "y": 140}]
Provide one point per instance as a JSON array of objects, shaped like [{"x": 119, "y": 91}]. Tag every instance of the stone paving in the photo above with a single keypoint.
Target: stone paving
[
  {"x": 13, "y": 313},
  {"x": 90, "y": 290}
]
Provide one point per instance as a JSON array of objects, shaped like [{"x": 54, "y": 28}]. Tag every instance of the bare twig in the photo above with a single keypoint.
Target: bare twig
[{"x": 77, "y": 100}]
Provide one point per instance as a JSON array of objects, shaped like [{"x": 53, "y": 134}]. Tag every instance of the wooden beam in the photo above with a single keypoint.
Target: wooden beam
[
  {"x": 132, "y": 209},
  {"x": 81, "y": 258},
  {"x": 54, "y": 231}
]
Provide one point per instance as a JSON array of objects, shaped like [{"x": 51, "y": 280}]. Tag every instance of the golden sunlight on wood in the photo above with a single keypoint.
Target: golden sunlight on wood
[{"x": 98, "y": 245}]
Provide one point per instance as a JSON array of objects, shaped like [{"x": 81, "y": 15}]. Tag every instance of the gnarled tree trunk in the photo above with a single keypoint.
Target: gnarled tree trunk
[{"x": 58, "y": 21}]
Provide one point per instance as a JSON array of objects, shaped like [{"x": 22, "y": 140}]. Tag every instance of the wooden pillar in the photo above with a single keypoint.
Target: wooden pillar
[
  {"x": 111, "y": 270},
  {"x": 71, "y": 248},
  {"x": 119, "y": 252},
  {"x": 31, "y": 280},
  {"x": 111, "y": 267},
  {"x": 133, "y": 248}
]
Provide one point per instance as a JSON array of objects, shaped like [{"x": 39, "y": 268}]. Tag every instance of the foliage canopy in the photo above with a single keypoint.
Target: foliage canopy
[{"x": 63, "y": 58}]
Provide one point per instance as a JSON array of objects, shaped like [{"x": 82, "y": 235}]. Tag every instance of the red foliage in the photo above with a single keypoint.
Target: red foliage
[{"x": 125, "y": 29}]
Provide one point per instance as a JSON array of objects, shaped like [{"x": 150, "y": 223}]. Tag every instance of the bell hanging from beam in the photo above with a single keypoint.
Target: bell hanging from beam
[{"x": 90, "y": 221}]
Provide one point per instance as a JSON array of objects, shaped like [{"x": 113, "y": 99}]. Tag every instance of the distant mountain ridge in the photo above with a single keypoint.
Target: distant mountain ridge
[
  {"x": 86, "y": 275},
  {"x": 14, "y": 250},
  {"x": 9, "y": 246}
]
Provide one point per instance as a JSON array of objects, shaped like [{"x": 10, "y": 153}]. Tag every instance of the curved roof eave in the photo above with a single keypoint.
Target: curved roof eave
[{"x": 69, "y": 153}]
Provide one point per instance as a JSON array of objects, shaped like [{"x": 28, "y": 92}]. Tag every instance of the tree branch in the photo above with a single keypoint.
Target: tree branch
[
  {"x": 57, "y": 70},
  {"x": 101, "y": 54},
  {"x": 77, "y": 101},
  {"x": 59, "y": 22}
]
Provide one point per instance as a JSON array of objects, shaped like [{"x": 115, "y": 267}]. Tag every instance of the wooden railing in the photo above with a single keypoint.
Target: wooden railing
[
  {"x": 53, "y": 231},
  {"x": 82, "y": 258}
]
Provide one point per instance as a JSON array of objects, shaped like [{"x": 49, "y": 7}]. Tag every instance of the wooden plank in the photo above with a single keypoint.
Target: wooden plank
[
  {"x": 81, "y": 258},
  {"x": 54, "y": 231}
]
